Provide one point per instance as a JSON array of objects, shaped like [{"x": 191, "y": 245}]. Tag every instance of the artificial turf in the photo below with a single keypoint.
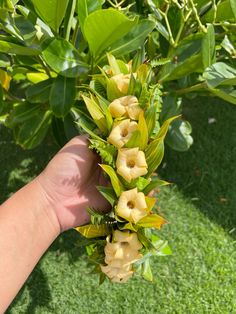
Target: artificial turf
[{"x": 199, "y": 277}]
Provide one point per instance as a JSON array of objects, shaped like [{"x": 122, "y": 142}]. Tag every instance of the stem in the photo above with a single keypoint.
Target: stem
[
  {"x": 75, "y": 33},
  {"x": 69, "y": 24},
  {"x": 44, "y": 66},
  {"x": 191, "y": 88},
  {"x": 172, "y": 42},
  {"x": 202, "y": 27}
]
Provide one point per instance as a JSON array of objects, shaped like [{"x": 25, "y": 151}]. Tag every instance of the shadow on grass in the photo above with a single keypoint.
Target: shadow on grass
[
  {"x": 206, "y": 174},
  {"x": 18, "y": 167}
]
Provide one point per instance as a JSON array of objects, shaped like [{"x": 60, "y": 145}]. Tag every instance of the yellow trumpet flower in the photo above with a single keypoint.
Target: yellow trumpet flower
[
  {"x": 132, "y": 205},
  {"x": 125, "y": 106},
  {"x": 122, "y": 132},
  {"x": 131, "y": 163}
]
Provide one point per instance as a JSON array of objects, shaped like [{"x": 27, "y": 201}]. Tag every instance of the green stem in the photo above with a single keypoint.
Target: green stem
[
  {"x": 172, "y": 42},
  {"x": 70, "y": 20},
  {"x": 202, "y": 27},
  {"x": 44, "y": 66},
  {"x": 191, "y": 88},
  {"x": 75, "y": 33}
]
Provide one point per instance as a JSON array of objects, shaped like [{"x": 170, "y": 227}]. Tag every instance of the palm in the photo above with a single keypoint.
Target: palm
[{"x": 70, "y": 181}]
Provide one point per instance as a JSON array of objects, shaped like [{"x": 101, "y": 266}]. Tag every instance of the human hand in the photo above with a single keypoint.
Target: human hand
[{"x": 70, "y": 181}]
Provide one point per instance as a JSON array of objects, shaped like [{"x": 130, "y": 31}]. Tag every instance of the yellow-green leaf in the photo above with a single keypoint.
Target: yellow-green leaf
[
  {"x": 150, "y": 201},
  {"x": 117, "y": 186},
  {"x": 152, "y": 221},
  {"x": 96, "y": 113},
  {"x": 5, "y": 79},
  {"x": 36, "y": 77},
  {"x": 93, "y": 231},
  {"x": 130, "y": 226},
  {"x": 143, "y": 129}
]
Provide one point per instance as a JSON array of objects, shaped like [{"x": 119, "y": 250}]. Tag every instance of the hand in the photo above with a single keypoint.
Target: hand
[{"x": 70, "y": 181}]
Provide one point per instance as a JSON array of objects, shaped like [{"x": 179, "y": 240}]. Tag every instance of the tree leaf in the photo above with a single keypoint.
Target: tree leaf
[
  {"x": 11, "y": 48},
  {"x": 85, "y": 7},
  {"x": 51, "y": 12},
  {"x": 133, "y": 40},
  {"x": 39, "y": 93},
  {"x": 93, "y": 231},
  {"x": 208, "y": 47},
  {"x": 117, "y": 186},
  {"x": 178, "y": 137},
  {"x": 104, "y": 27},
  {"x": 63, "y": 58},
  {"x": 62, "y": 95},
  {"x": 220, "y": 73}
]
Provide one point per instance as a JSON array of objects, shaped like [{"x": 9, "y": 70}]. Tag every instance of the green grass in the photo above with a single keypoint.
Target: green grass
[{"x": 198, "y": 278}]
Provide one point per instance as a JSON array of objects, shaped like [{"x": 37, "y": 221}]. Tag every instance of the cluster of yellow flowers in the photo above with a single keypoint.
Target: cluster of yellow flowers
[{"x": 132, "y": 206}]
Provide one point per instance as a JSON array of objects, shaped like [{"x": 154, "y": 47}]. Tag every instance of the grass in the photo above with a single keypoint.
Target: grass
[{"x": 198, "y": 278}]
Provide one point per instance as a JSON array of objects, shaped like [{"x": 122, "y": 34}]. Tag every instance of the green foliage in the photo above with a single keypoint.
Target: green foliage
[
  {"x": 106, "y": 151},
  {"x": 190, "y": 46}
]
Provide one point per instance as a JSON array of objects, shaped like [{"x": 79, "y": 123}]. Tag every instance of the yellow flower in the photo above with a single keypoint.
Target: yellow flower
[
  {"x": 131, "y": 163},
  {"x": 132, "y": 205},
  {"x": 120, "y": 254},
  {"x": 122, "y": 82},
  {"x": 117, "y": 274},
  {"x": 122, "y": 132},
  {"x": 125, "y": 106}
]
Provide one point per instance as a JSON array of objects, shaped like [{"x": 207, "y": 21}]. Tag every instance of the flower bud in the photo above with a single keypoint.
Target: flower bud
[
  {"x": 121, "y": 81},
  {"x": 131, "y": 163},
  {"x": 122, "y": 132},
  {"x": 125, "y": 106},
  {"x": 132, "y": 205}
]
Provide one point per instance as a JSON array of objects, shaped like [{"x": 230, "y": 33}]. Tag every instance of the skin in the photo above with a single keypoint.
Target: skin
[{"x": 53, "y": 202}]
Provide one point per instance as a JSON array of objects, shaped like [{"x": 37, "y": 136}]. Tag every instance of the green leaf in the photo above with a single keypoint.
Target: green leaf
[
  {"x": 39, "y": 93},
  {"x": 85, "y": 7},
  {"x": 63, "y": 58},
  {"x": 141, "y": 183},
  {"x": 117, "y": 186},
  {"x": 93, "y": 231},
  {"x": 154, "y": 184},
  {"x": 108, "y": 193},
  {"x": 133, "y": 40},
  {"x": 146, "y": 271},
  {"x": 179, "y": 136},
  {"x": 134, "y": 141},
  {"x": 228, "y": 94},
  {"x": 96, "y": 113},
  {"x": 11, "y": 48},
  {"x": 21, "y": 113},
  {"x": 233, "y": 8},
  {"x": 31, "y": 133},
  {"x": 150, "y": 117},
  {"x": 208, "y": 47},
  {"x": 186, "y": 59},
  {"x": 51, "y": 12},
  {"x": 164, "y": 128},
  {"x": 62, "y": 95},
  {"x": 220, "y": 74},
  {"x": 106, "y": 151},
  {"x": 104, "y": 27}
]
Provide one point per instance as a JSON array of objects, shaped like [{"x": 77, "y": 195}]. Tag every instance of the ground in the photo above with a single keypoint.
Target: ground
[{"x": 200, "y": 205}]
